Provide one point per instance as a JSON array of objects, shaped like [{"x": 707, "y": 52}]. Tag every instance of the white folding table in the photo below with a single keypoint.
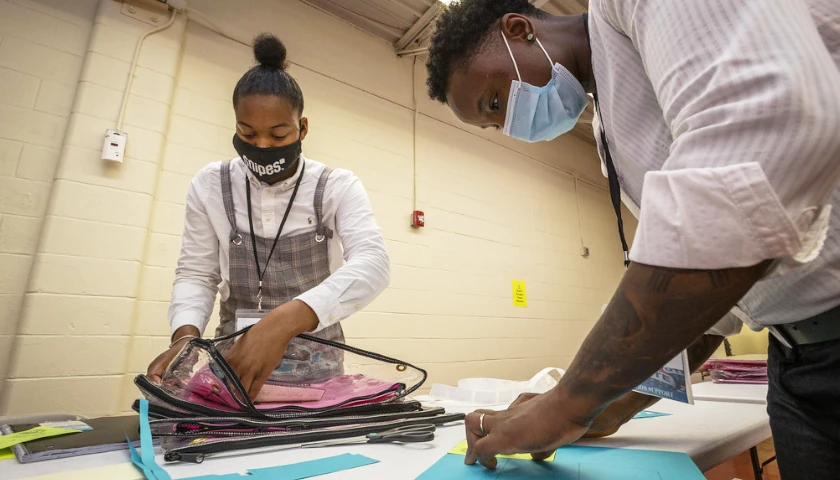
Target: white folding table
[{"x": 708, "y": 432}]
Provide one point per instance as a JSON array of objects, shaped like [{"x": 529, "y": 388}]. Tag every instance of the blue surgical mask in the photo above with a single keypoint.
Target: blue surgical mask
[{"x": 534, "y": 113}]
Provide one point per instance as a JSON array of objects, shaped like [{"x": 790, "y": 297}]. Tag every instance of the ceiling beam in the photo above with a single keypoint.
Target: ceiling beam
[{"x": 424, "y": 21}]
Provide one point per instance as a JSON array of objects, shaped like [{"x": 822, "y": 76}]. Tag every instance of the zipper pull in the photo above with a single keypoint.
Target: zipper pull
[{"x": 191, "y": 457}]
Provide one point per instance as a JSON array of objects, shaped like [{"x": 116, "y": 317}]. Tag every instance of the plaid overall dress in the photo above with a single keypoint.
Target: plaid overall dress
[{"x": 299, "y": 263}]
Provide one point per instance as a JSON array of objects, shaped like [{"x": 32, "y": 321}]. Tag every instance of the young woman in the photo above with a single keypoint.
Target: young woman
[{"x": 271, "y": 230}]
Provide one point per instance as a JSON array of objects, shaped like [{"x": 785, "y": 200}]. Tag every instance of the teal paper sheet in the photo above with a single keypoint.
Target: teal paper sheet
[
  {"x": 297, "y": 471},
  {"x": 576, "y": 463},
  {"x": 145, "y": 460},
  {"x": 649, "y": 414}
]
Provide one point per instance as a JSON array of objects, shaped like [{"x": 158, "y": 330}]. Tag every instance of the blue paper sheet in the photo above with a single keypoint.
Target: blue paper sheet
[
  {"x": 576, "y": 463},
  {"x": 297, "y": 471}
]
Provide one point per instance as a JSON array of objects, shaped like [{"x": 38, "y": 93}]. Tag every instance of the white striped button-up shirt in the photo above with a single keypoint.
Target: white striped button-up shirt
[
  {"x": 723, "y": 120},
  {"x": 359, "y": 264}
]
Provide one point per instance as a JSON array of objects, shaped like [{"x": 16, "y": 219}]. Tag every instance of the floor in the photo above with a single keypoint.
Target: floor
[{"x": 740, "y": 467}]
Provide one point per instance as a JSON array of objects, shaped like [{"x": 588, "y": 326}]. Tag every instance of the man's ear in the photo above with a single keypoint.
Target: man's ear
[{"x": 518, "y": 27}]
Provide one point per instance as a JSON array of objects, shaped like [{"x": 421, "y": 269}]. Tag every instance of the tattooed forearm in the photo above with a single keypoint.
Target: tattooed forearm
[
  {"x": 719, "y": 278},
  {"x": 659, "y": 281},
  {"x": 655, "y": 313},
  {"x": 702, "y": 350},
  {"x": 625, "y": 408}
]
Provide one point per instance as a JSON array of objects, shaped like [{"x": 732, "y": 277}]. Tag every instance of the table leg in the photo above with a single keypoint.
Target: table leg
[{"x": 756, "y": 464}]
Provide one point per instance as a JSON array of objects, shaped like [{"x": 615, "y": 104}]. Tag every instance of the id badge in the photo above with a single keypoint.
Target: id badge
[{"x": 246, "y": 318}]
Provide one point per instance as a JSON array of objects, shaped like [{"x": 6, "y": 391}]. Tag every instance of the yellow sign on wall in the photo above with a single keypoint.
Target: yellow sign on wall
[{"x": 520, "y": 297}]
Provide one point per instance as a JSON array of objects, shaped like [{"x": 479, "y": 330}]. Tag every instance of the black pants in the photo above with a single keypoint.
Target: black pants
[{"x": 804, "y": 408}]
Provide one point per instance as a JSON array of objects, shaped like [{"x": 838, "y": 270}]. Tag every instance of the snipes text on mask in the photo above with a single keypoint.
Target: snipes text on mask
[{"x": 269, "y": 169}]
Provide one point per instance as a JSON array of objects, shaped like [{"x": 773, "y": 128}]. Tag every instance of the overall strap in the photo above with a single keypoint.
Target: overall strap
[
  {"x": 321, "y": 230},
  {"x": 227, "y": 198}
]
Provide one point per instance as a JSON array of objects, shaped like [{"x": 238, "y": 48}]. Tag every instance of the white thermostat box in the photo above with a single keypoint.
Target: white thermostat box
[{"x": 113, "y": 149}]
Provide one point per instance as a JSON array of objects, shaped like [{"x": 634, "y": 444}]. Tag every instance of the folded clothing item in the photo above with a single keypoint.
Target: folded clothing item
[
  {"x": 347, "y": 390},
  {"x": 737, "y": 371}
]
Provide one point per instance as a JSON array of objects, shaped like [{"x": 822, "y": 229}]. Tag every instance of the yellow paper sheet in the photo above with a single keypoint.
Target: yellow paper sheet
[
  {"x": 461, "y": 449},
  {"x": 7, "y": 441},
  {"x": 6, "y": 454},
  {"x": 520, "y": 295}
]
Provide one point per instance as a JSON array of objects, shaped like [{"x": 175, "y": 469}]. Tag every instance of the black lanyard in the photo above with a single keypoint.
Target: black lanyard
[
  {"x": 261, "y": 273},
  {"x": 612, "y": 175}
]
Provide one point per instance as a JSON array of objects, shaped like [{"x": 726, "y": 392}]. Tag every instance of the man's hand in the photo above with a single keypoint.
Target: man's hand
[
  {"x": 655, "y": 313},
  {"x": 522, "y": 398},
  {"x": 254, "y": 356},
  {"x": 179, "y": 338},
  {"x": 534, "y": 424}
]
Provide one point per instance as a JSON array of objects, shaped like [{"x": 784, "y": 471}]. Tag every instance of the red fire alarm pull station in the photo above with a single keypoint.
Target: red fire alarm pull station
[{"x": 418, "y": 219}]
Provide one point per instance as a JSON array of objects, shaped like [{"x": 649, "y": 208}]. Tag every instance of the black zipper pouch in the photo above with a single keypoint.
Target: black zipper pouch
[
  {"x": 186, "y": 447},
  {"x": 233, "y": 426}
]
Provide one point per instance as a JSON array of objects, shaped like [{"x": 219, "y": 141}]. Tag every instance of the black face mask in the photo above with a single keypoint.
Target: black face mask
[{"x": 268, "y": 164}]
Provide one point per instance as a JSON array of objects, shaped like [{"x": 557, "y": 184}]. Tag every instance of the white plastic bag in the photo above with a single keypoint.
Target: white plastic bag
[{"x": 494, "y": 391}]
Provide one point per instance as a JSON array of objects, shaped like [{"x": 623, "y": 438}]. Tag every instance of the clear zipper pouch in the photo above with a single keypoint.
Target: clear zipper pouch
[{"x": 317, "y": 377}]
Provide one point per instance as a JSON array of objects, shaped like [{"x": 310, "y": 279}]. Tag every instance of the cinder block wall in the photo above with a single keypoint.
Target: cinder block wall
[
  {"x": 83, "y": 300},
  {"x": 43, "y": 45}
]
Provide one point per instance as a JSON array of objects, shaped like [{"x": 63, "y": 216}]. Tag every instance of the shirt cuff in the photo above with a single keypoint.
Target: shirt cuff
[
  {"x": 721, "y": 217},
  {"x": 195, "y": 319},
  {"x": 728, "y": 326},
  {"x": 326, "y": 308}
]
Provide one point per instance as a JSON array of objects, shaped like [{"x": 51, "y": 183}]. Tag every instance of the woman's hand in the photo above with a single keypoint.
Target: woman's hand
[
  {"x": 260, "y": 350},
  {"x": 159, "y": 364},
  {"x": 534, "y": 424}
]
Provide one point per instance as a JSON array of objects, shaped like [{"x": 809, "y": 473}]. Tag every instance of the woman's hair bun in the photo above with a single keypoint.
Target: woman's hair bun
[{"x": 270, "y": 52}]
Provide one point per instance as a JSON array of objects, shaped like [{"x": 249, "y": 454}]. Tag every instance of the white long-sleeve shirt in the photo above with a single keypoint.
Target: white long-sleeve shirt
[
  {"x": 723, "y": 121},
  {"x": 359, "y": 263}
]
